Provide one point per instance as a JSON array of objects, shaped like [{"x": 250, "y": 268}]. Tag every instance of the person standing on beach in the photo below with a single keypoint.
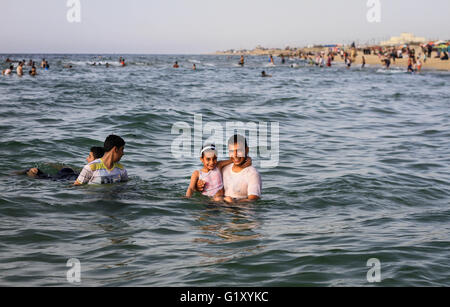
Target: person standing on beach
[
  {"x": 410, "y": 66},
  {"x": 430, "y": 49},
  {"x": 363, "y": 62}
]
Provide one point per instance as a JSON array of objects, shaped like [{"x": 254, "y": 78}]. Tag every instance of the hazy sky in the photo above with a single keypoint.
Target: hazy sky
[{"x": 202, "y": 26}]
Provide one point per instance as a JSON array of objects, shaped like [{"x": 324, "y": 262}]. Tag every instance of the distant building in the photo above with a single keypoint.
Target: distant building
[{"x": 404, "y": 38}]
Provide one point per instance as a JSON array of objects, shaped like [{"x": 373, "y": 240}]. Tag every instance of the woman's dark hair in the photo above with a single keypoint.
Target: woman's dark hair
[
  {"x": 98, "y": 152},
  {"x": 113, "y": 141}
]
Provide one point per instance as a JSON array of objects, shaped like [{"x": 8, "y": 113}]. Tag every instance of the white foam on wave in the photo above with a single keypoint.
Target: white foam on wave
[
  {"x": 390, "y": 71},
  {"x": 89, "y": 63}
]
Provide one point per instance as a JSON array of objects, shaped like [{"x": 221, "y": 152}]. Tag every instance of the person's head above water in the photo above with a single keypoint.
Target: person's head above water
[
  {"x": 209, "y": 156},
  {"x": 95, "y": 153},
  {"x": 238, "y": 149},
  {"x": 114, "y": 146}
]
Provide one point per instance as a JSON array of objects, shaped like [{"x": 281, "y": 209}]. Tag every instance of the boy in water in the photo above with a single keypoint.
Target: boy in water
[
  {"x": 20, "y": 69},
  {"x": 63, "y": 173},
  {"x": 106, "y": 169}
]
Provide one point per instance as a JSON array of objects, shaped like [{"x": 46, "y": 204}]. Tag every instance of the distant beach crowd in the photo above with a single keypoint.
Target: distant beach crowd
[{"x": 407, "y": 56}]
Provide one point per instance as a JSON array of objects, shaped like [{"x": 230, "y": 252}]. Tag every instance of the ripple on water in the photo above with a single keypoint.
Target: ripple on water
[{"x": 362, "y": 173}]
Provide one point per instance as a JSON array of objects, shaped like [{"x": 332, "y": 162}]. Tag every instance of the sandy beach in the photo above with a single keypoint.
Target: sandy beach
[{"x": 431, "y": 63}]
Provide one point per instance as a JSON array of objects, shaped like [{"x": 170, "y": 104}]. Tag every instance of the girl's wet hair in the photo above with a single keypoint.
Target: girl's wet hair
[{"x": 208, "y": 147}]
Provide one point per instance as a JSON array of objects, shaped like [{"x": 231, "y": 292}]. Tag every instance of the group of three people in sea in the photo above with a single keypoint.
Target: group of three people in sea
[{"x": 232, "y": 180}]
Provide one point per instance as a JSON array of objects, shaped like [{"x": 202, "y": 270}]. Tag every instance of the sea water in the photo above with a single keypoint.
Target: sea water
[{"x": 363, "y": 173}]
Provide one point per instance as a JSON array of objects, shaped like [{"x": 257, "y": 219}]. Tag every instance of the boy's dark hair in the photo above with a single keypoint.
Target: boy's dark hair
[
  {"x": 237, "y": 139},
  {"x": 98, "y": 152},
  {"x": 113, "y": 141}
]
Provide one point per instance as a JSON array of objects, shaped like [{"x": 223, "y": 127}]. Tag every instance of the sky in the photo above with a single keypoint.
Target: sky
[{"x": 206, "y": 26}]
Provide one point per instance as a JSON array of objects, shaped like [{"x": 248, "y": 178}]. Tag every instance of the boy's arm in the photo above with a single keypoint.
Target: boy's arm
[
  {"x": 223, "y": 163},
  {"x": 85, "y": 175},
  {"x": 124, "y": 176},
  {"x": 249, "y": 199},
  {"x": 191, "y": 189}
]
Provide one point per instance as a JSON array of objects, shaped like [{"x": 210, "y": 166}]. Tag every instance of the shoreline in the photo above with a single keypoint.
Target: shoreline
[
  {"x": 372, "y": 59},
  {"x": 430, "y": 64}
]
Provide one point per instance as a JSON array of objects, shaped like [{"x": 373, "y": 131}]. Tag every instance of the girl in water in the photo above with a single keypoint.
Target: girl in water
[{"x": 211, "y": 174}]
